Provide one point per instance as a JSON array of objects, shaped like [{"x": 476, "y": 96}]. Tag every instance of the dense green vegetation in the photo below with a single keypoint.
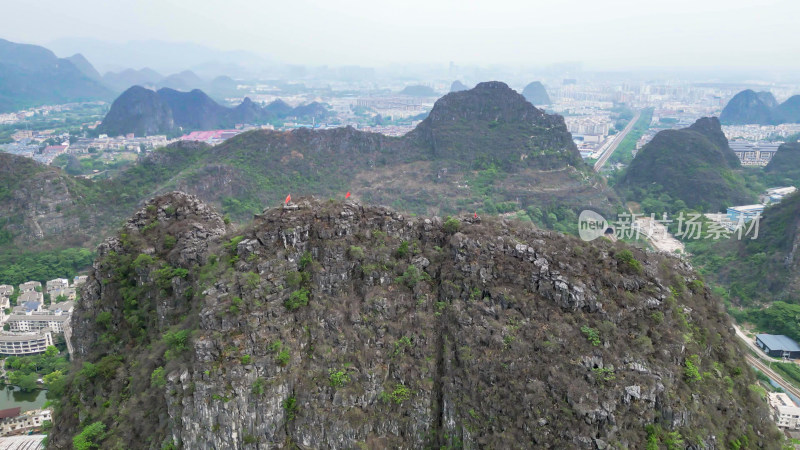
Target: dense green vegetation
[
  {"x": 23, "y": 371},
  {"x": 784, "y": 168},
  {"x": 692, "y": 165},
  {"x": 754, "y": 271},
  {"x": 73, "y": 121},
  {"x": 16, "y": 268},
  {"x": 84, "y": 166}
]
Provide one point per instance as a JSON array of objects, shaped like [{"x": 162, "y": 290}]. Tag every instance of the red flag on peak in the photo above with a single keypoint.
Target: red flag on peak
[
  {"x": 476, "y": 214},
  {"x": 288, "y": 199},
  {"x": 347, "y": 195}
]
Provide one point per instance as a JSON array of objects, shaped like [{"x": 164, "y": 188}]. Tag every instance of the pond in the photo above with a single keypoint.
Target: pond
[{"x": 11, "y": 397}]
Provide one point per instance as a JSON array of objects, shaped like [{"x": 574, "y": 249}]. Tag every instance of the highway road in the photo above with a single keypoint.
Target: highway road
[{"x": 617, "y": 140}]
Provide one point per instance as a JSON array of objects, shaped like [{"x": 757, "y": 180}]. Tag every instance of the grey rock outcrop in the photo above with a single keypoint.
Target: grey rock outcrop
[{"x": 336, "y": 325}]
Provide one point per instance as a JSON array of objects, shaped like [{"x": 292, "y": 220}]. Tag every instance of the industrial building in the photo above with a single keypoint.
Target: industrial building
[{"x": 778, "y": 346}]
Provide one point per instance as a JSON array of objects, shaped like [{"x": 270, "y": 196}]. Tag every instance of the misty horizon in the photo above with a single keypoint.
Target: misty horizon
[{"x": 716, "y": 36}]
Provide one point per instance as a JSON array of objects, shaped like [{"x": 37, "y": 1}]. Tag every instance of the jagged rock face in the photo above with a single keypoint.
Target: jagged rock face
[
  {"x": 330, "y": 325},
  {"x": 140, "y": 111},
  {"x": 693, "y": 164},
  {"x": 493, "y": 109},
  {"x": 536, "y": 93}
]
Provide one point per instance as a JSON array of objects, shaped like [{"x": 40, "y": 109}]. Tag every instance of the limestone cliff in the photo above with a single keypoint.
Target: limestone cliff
[{"x": 337, "y": 325}]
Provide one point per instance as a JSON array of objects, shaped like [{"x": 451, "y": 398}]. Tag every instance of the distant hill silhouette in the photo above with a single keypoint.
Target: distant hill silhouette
[
  {"x": 692, "y": 164},
  {"x": 788, "y": 111},
  {"x": 130, "y": 77},
  {"x": 142, "y": 111},
  {"x": 138, "y": 110},
  {"x": 31, "y": 75},
  {"x": 84, "y": 66},
  {"x": 784, "y": 168},
  {"x": 458, "y": 86},
  {"x": 183, "y": 81},
  {"x": 418, "y": 91},
  {"x": 536, "y": 93},
  {"x": 760, "y": 108}
]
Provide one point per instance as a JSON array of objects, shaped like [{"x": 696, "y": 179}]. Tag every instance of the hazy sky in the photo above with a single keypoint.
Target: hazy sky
[{"x": 602, "y": 33}]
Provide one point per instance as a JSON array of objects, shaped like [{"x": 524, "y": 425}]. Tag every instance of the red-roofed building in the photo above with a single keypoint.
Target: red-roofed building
[
  {"x": 10, "y": 412},
  {"x": 14, "y": 422}
]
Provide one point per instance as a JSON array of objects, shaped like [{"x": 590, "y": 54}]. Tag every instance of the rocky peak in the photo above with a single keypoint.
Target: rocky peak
[
  {"x": 468, "y": 125},
  {"x": 490, "y": 100},
  {"x": 337, "y": 324},
  {"x": 711, "y": 128},
  {"x": 190, "y": 224},
  {"x": 137, "y": 110}
]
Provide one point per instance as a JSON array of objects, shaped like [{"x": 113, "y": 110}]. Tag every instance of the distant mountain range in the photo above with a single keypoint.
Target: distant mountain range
[
  {"x": 760, "y": 108},
  {"x": 694, "y": 165},
  {"x": 31, "y": 75},
  {"x": 146, "y": 112},
  {"x": 486, "y": 149},
  {"x": 536, "y": 93},
  {"x": 124, "y": 79},
  {"x": 164, "y": 57},
  {"x": 418, "y": 91}
]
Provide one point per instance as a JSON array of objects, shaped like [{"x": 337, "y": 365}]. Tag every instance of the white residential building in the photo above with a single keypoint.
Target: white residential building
[
  {"x": 12, "y": 421},
  {"x": 785, "y": 412},
  {"x": 30, "y": 286},
  {"x": 25, "y": 343}
]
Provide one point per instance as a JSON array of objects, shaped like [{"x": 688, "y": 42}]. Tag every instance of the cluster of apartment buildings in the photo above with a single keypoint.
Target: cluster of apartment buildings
[
  {"x": 13, "y": 421},
  {"x": 754, "y": 133},
  {"x": 29, "y": 327},
  {"x": 27, "y": 145},
  {"x": 595, "y": 125}
]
